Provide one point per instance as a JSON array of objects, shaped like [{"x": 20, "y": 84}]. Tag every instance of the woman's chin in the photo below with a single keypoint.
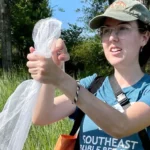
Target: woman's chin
[{"x": 116, "y": 62}]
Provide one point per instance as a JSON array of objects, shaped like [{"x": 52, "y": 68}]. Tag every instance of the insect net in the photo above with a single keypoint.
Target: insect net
[{"x": 15, "y": 118}]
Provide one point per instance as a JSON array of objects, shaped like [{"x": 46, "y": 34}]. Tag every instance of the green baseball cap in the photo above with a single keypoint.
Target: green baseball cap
[{"x": 123, "y": 10}]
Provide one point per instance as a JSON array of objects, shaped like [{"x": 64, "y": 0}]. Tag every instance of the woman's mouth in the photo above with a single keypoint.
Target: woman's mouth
[{"x": 115, "y": 50}]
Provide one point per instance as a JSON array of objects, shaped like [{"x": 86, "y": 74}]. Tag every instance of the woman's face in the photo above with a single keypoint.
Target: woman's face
[{"x": 122, "y": 42}]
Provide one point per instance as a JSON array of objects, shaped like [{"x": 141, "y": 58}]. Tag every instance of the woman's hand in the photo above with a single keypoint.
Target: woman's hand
[
  {"x": 59, "y": 53},
  {"x": 47, "y": 70}
]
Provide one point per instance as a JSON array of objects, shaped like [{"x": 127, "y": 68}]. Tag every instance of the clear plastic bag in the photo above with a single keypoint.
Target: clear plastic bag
[{"x": 15, "y": 118}]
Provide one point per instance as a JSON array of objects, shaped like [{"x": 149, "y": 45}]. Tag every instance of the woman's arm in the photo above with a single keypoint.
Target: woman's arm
[
  {"x": 49, "y": 109},
  {"x": 117, "y": 124}
]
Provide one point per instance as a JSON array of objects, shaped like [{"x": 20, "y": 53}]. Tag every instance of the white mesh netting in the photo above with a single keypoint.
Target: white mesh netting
[{"x": 15, "y": 118}]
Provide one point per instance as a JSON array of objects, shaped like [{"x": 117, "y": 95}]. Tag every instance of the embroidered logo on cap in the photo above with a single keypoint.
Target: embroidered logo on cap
[{"x": 118, "y": 5}]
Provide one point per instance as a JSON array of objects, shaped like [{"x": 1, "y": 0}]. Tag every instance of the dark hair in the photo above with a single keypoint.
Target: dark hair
[
  {"x": 142, "y": 26},
  {"x": 144, "y": 55}
]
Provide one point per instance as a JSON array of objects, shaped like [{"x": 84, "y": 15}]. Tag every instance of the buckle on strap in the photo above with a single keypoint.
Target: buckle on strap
[{"x": 122, "y": 99}]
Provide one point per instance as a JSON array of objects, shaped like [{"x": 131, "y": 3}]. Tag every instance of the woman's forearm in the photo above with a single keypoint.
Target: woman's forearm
[
  {"x": 49, "y": 108},
  {"x": 45, "y": 104},
  {"x": 102, "y": 114}
]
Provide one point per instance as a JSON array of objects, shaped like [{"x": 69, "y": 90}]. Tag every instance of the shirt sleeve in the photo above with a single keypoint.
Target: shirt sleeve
[
  {"x": 86, "y": 82},
  {"x": 146, "y": 96}
]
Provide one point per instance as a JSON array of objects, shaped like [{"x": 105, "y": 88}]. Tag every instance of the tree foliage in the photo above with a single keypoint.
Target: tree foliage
[
  {"x": 92, "y": 8},
  {"x": 90, "y": 54},
  {"x": 72, "y": 37},
  {"x": 24, "y": 15}
]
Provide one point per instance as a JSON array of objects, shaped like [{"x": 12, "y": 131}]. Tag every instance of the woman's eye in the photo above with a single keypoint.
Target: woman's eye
[
  {"x": 123, "y": 28},
  {"x": 105, "y": 31}
]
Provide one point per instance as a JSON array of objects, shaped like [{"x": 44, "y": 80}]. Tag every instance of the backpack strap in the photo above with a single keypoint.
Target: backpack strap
[
  {"x": 125, "y": 103},
  {"x": 97, "y": 82},
  {"x": 120, "y": 96},
  {"x": 144, "y": 139},
  {"x": 95, "y": 85},
  {"x": 80, "y": 114}
]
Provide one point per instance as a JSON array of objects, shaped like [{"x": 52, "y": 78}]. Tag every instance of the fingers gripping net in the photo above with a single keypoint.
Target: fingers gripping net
[{"x": 15, "y": 118}]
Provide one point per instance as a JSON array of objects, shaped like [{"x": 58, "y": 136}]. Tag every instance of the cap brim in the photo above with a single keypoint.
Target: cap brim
[{"x": 98, "y": 21}]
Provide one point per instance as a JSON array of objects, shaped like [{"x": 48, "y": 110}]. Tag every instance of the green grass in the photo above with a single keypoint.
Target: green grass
[
  {"x": 44, "y": 138},
  {"x": 39, "y": 138}
]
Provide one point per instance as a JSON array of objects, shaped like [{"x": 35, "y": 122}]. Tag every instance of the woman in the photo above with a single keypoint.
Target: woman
[{"x": 124, "y": 31}]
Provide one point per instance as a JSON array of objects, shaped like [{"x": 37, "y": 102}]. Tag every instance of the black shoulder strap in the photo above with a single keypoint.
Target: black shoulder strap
[
  {"x": 120, "y": 96},
  {"x": 98, "y": 81},
  {"x": 92, "y": 88},
  {"x": 124, "y": 102}
]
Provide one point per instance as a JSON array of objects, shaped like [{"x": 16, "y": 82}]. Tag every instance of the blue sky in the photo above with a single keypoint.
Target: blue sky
[{"x": 69, "y": 16}]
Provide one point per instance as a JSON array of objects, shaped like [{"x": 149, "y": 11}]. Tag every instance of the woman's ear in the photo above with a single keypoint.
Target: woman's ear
[{"x": 145, "y": 38}]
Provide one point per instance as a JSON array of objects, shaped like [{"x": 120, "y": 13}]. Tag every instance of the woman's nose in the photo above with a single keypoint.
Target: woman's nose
[{"x": 113, "y": 35}]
